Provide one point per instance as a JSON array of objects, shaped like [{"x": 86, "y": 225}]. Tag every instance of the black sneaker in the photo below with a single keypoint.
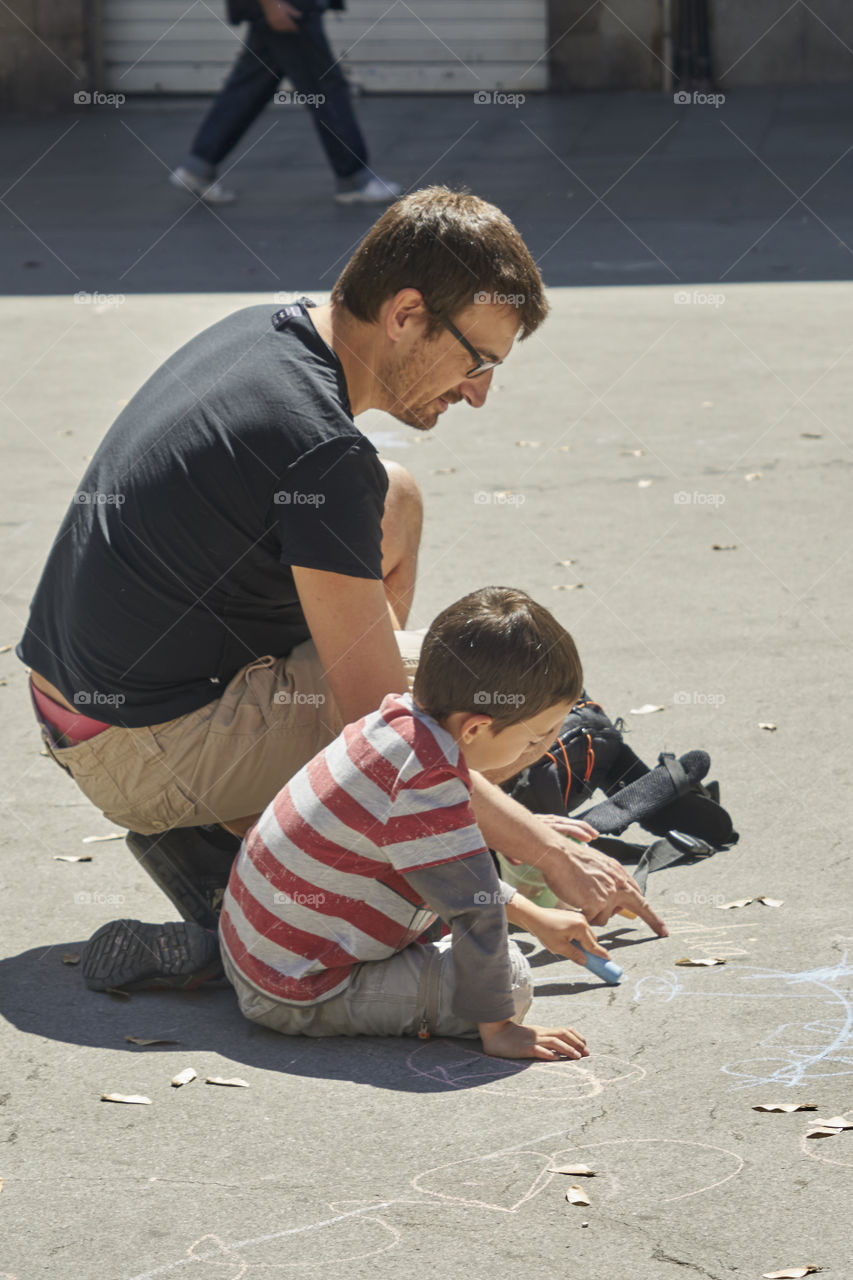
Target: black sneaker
[
  {"x": 127, "y": 955},
  {"x": 191, "y": 865}
]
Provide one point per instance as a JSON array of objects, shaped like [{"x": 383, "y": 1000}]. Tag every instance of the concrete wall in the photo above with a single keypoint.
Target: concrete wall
[
  {"x": 754, "y": 42},
  {"x": 594, "y": 46},
  {"x": 43, "y": 54},
  {"x": 808, "y": 45},
  {"x": 47, "y": 47}
]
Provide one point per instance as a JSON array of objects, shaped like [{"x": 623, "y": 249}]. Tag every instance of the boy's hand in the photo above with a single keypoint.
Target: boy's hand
[
  {"x": 512, "y": 1040},
  {"x": 559, "y": 929},
  {"x": 556, "y": 928}
]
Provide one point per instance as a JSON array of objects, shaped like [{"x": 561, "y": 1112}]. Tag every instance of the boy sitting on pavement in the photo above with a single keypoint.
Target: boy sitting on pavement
[{"x": 333, "y": 889}]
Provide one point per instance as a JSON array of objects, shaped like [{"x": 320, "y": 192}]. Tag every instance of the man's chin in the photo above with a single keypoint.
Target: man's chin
[{"x": 421, "y": 419}]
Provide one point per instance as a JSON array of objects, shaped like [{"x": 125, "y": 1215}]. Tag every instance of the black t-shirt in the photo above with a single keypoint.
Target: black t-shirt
[{"x": 237, "y": 459}]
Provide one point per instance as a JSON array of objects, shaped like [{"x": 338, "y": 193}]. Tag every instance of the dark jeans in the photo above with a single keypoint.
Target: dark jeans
[{"x": 307, "y": 61}]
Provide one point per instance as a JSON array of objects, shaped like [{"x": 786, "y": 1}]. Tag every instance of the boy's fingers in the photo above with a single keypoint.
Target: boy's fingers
[
  {"x": 592, "y": 944},
  {"x": 573, "y": 952}
]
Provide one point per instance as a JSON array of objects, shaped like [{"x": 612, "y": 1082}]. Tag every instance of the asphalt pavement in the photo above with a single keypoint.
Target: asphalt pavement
[{"x": 667, "y": 465}]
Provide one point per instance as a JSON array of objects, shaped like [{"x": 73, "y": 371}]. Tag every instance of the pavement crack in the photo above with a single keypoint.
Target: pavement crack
[{"x": 660, "y": 1256}]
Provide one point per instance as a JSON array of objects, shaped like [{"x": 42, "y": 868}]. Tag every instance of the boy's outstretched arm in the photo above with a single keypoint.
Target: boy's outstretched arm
[
  {"x": 557, "y": 929},
  {"x": 522, "y": 1040},
  {"x": 595, "y": 883}
]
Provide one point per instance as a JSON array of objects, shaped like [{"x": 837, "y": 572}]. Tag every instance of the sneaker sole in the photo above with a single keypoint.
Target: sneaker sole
[
  {"x": 201, "y": 195},
  {"x": 130, "y": 955}
]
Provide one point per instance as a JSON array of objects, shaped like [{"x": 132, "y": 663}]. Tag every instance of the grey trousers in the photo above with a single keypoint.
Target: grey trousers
[{"x": 407, "y": 994}]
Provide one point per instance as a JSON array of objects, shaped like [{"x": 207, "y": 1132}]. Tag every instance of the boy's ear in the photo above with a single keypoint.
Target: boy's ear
[{"x": 473, "y": 725}]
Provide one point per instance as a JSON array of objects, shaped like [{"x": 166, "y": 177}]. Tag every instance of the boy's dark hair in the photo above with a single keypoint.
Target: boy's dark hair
[
  {"x": 451, "y": 246},
  {"x": 498, "y": 653}
]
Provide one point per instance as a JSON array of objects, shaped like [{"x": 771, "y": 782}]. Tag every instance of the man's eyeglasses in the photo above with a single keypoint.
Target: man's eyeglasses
[{"x": 481, "y": 365}]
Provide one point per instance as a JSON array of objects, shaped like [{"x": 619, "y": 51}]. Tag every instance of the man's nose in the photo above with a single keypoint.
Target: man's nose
[{"x": 475, "y": 390}]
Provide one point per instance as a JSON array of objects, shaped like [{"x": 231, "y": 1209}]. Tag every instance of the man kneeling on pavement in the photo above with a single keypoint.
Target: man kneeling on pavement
[{"x": 193, "y": 645}]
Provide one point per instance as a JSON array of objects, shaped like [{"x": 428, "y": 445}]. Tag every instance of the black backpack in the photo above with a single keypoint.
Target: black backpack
[{"x": 670, "y": 801}]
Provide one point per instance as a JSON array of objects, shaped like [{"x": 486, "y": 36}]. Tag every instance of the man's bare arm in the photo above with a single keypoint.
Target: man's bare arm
[
  {"x": 585, "y": 878},
  {"x": 350, "y": 623}
]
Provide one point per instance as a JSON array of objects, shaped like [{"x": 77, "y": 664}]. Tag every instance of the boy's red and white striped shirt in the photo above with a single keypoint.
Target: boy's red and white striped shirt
[{"x": 318, "y": 886}]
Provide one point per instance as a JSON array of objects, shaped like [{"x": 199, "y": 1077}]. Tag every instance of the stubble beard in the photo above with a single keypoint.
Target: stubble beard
[{"x": 398, "y": 381}]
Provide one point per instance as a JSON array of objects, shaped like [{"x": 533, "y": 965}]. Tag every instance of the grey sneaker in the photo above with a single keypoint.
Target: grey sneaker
[
  {"x": 127, "y": 955},
  {"x": 211, "y": 192},
  {"x": 374, "y": 190}
]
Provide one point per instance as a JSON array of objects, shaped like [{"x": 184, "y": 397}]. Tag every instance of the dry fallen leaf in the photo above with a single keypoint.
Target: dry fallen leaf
[
  {"x": 753, "y": 475},
  {"x": 633, "y": 453},
  {"x": 787, "y": 1107},
  {"x": 5, "y": 648},
  {"x": 578, "y": 1170},
  {"x": 183, "y": 1077},
  {"x": 234, "y": 1081},
  {"x": 724, "y": 546},
  {"x": 444, "y": 471},
  {"x": 72, "y": 857},
  {"x": 645, "y": 710},
  {"x": 567, "y": 586},
  {"x": 133, "y": 1098},
  {"x": 769, "y": 902},
  {"x": 564, "y": 448},
  {"x": 114, "y": 835},
  {"x": 643, "y": 484},
  {"x": 577, "y": 1195},
  {"x": 837, "y": 1123},
  {"x": 764, "y": 724},
  {"x": 791, "y": 1273},
  {"x": 738, "y": 902},
  {"x": 707, "y": 404},
  {"x": 703, "y": 963},
  {"x": 70, "y": 957},
  {"x": 529, "y": 444},
  {"x": 564, "y": 562},
  {"x": 139, "y": 1040}
]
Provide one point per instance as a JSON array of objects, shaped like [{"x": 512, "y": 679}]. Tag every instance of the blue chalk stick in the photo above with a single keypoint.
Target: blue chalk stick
[{"x": 607, "y": 970}]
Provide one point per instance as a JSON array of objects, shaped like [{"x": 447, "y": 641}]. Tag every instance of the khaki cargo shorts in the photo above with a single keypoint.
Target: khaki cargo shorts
[{"x": 225, "y": 761}]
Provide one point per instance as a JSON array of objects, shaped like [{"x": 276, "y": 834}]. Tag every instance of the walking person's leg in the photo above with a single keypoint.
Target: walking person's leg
[
  {"x": 315, "y": 73},
  {"x": 250, "y": 86}
]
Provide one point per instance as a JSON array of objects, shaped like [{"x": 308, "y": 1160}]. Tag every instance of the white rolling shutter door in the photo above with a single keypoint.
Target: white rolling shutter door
[{"x": 391, "y": 46}]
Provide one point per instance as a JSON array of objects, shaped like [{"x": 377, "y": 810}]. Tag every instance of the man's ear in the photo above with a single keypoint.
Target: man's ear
[{"x": 403, "y": 311}]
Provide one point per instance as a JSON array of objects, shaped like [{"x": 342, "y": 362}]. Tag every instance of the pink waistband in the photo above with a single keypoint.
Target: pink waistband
[{"x": 75, "y": 727}]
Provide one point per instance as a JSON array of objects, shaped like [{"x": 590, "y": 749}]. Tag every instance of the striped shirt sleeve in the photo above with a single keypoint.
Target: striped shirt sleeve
[
  {"x": 469, "y": 899},
  {"x": 431, "y": 821}
]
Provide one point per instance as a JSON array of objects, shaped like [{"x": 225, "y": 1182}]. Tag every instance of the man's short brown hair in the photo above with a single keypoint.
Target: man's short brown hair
[
  {"x": 497, "y": 652},
  {"x": 455, "y": 249}
]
